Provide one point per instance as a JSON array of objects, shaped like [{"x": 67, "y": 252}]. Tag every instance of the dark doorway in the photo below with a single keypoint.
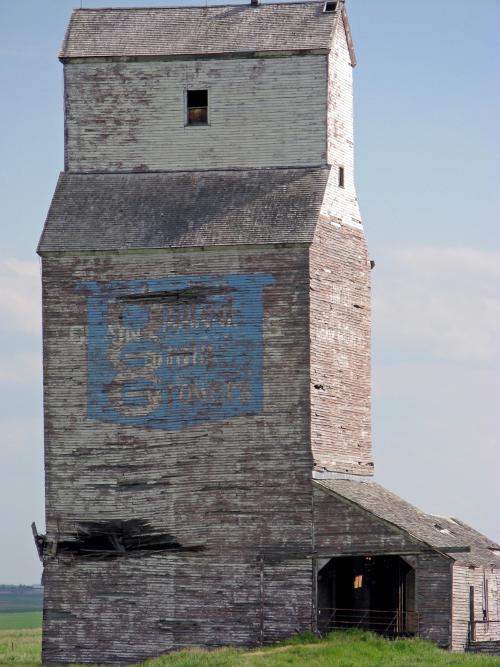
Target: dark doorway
[{"x": 371, "y": 592}]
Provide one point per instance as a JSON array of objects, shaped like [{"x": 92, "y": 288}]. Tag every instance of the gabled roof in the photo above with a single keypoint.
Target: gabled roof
[
  {"x": 438, "y": 532},
  {"x": 182, "y": 31},
  {"x": 183, "y": 209}
]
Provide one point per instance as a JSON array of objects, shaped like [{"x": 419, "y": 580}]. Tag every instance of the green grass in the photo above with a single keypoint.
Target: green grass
[
  {"x": 20, "y": 647},
  {"x": 341, "y": 649},
  {"x": 20, "y": 620}
]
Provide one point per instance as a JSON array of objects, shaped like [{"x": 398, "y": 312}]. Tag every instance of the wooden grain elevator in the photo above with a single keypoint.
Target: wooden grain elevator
[{"x": 206, "y": 321}]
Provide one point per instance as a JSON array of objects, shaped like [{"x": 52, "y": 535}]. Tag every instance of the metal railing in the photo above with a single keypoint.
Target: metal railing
[
  {"x": 392, "y": 623},
  {"x": 486, "y": 630}
]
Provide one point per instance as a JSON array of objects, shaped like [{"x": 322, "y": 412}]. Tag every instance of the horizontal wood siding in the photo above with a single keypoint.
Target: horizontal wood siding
[
  {"x": 463, "y": 578},
  {"x": 340, "y": 350},
  {"x": 236, "y": 488},
  {"x": 341, "y": 202},
  {"x": 131, "y": 116},
  {"x": 342, "y": 528},
  {"x": 433, "y": 591},
  {"x": 287, "y": 598},
  {"x": 491, "y": 647},
  {"x": 340, "y": 297}
]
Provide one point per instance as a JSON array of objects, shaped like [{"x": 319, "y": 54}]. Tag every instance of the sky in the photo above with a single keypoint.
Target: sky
[{"x": 427, "y": 101}]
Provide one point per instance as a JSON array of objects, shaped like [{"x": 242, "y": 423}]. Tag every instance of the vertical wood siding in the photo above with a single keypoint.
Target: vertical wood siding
[
  {"x": 130, "y": 116},
  {"x": 238, "y": 489}
]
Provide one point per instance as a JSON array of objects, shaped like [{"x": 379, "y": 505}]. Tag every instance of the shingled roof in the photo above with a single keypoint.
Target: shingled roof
[
  {"x": 437, "y": 532},
  {"x": 181, "y": 31},
  {"x": 183, "y": 209}
]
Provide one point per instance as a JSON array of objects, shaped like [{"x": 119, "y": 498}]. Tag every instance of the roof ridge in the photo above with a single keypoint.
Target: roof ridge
[{"x": 184, "y": 7}]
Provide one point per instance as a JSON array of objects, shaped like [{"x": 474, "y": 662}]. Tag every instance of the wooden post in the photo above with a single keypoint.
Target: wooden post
[
  {"x": 314, "y": 620},
  {"x": 261, "y": 595},
  {"x": 472, "y": 633}
]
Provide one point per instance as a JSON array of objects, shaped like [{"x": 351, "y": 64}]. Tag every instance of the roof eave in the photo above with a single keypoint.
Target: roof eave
[
  {"x": 348, "y": 34},
  {"x": 270, "y": 53},
  {"x": 67, "y": 33},
  {"x": 348, "y": 501}
]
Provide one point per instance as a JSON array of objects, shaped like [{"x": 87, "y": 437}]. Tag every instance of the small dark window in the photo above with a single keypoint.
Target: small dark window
[
  {"x": 329, "y": 6},
  {"x": 341, "y": 177},
  {"x": 197, "y": 107}
]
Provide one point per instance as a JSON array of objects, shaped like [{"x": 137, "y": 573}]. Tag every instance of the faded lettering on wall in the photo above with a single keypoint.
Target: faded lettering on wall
[{"x": 175, "y": 352}]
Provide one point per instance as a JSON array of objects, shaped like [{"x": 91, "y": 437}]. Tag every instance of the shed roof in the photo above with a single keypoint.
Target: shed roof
[
  {"x": 182, "y": 31},
  {"x": 437, "y": 532},
  {"x": 183, "y": 209}
]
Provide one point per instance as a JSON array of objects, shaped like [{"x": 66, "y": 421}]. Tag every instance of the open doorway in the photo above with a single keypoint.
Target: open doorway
[{"x": 371, "y": 592}]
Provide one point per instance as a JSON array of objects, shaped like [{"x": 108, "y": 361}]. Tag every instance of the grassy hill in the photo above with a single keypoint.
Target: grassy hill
[{"x": 341, "y": 649}]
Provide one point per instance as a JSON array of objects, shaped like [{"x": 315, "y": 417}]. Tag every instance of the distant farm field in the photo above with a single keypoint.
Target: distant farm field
[
  {"x": 20, "y": 620},
  {"x": 20, "y": 599},
  {"x": 20, "y": 608},
  {"x": 341, "y": 649}
]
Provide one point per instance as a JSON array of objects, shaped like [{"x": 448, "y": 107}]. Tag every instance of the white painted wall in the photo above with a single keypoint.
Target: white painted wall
[
  {"x": 126, "y": 116},
  {"x": 339, "y": 202}
]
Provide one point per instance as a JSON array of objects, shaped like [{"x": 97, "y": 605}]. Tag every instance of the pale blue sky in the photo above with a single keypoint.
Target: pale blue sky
[{"x": 426, "y": 103}]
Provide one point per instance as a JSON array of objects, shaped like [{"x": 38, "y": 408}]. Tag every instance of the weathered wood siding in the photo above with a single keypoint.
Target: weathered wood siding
[
  {"x": 463, "y": 578},
  {"x": 340, "y": 349},
  {"x": 433, "y": 596},
  {"x": 341, "y": 528},
  {"x": 341, "y": 202},
  {"x": 237, "y": 488},
  {"x": 130, "y": 116},
  {"x": 488, "y": 647},
  {"x": 286, "y": 612},
  {"x": 340, "y": 297}
]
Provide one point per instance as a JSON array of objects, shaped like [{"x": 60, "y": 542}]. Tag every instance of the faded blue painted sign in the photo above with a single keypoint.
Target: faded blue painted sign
[{"x": 175, "y": 352}]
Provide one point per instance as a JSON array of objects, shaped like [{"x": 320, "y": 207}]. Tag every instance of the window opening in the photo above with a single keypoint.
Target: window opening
[
  {"x": 341, "y": 177},
  {"x": 329, "y": 6},
  {"x": 197, "y": 107},
  {"x": 375, "y": 593}
]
